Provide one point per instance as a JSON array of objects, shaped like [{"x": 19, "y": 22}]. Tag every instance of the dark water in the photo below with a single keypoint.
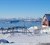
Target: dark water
[{"x": 20, "y": 23}]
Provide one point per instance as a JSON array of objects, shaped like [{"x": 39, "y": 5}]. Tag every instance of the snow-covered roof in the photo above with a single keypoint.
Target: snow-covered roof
[{"x": 4, "y": 41}]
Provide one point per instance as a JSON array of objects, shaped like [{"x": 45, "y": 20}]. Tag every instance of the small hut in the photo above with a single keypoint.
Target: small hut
[{"x": 46, "y": 20}]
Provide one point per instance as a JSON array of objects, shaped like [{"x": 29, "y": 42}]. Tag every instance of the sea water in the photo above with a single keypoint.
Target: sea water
[{"x": 27, "y": 24}]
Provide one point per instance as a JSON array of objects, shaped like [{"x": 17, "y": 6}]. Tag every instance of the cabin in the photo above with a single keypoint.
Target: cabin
[{"x": 46, "y": 20}]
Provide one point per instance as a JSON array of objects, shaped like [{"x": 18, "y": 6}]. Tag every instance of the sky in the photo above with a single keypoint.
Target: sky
[{"x": 24, "y": 8}]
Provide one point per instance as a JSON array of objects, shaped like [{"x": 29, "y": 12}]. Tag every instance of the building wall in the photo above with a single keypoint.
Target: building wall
[
  {"x": 49, "y": 23},
  {"x": 45, "y": 21}
]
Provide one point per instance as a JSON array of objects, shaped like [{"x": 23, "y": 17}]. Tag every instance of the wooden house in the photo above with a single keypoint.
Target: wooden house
[{"x": 46, "y": 20}]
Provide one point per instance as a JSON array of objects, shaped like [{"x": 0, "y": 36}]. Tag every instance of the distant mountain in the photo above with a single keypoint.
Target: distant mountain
[{"x": 14, "y": 20}]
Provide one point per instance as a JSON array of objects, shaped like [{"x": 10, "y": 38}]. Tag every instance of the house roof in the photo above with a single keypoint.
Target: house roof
[
  {"x": 48, "y": 16},
  {"x": 3, "y": 41}
]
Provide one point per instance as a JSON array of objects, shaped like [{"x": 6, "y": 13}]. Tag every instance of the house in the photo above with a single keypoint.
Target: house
[{"x": 46, "y": 20}]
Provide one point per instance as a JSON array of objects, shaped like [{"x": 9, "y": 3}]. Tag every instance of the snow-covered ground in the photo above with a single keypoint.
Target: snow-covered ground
[{"x": 25, "y": 39}]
